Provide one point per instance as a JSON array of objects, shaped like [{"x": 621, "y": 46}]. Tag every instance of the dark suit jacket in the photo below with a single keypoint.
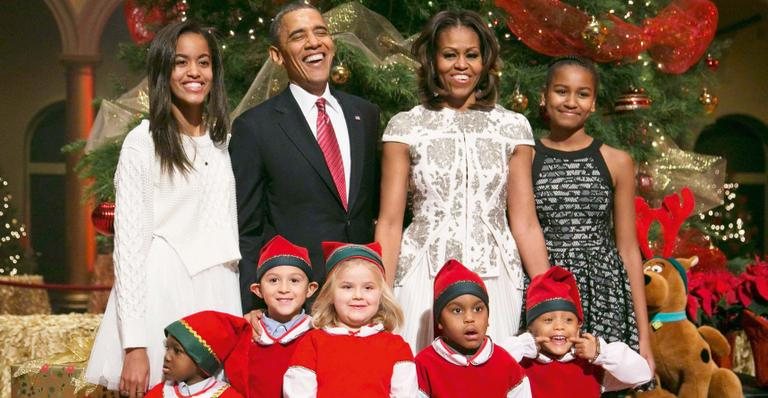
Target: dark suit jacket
[{"x": 284, "y": 185}]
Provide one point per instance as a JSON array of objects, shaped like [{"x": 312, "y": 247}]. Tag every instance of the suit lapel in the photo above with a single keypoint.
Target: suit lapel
[
  {"x": 294, "y": 125},
  {"x": 356, "y": 144}
]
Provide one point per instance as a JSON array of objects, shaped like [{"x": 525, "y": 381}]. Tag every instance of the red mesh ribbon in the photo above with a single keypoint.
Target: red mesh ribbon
[
  {"x": 676, "y": 38},
  {"x": 143, "y": 22}
]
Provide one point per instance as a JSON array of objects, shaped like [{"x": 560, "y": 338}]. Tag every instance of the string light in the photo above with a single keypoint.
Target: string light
[
  {"x": 11, "y": 232},
  {"x": 720, "y": 223}
]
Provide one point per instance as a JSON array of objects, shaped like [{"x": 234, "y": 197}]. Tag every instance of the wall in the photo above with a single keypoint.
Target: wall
[{"x": 34, "y": 78}]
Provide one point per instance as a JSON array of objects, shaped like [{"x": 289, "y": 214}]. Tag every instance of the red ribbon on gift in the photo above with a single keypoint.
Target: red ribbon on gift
[{"x": 676, "y": 38}]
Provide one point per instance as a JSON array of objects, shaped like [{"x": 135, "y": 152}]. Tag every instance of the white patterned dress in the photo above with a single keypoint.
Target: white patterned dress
[{"x": 458, "y": 197}]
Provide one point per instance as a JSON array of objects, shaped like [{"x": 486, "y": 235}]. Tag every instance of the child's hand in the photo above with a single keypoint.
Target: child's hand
[
  {"x": 540, "y": 341},
  {"x": 253, "y": 318},
  {"x": 586, "y": 347}
]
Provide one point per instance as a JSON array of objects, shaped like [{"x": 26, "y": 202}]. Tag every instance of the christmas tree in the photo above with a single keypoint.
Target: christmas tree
[
  {"x": 13, "y": 259},
  {"x": 641, "y": 97},
  {"x": 656, "y": 61}
]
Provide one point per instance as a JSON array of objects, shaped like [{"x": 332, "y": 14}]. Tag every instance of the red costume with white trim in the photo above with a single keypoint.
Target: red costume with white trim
[
  {"x": 335, "y": 362},
  {"x": 270, "y": 358},
  {"x": 491, "y": 373},
  {"x": 616, "y": 366},
  {"x": 219, "y": 389}
]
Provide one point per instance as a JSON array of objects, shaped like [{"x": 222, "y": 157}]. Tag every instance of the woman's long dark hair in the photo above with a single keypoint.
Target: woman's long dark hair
[
  {"x": 424, "y": 49},
  {"x": 162, "y": 123}
]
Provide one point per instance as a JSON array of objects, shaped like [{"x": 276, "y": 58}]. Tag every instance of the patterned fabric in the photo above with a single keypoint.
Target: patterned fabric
[
  {"x": 326, "y": 138},
  {"x": 457, "y": 188},
  {"x": 458, "y": 197},
  {"x": 574, "y": 202}
]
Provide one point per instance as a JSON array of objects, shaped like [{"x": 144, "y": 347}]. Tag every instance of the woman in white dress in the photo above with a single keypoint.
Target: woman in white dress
[
  {"x": 464, "y": 165},
  {"x": 176, "y": 243}
]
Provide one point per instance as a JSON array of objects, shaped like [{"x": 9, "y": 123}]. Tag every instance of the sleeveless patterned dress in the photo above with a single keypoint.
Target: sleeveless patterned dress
[{"x": 574, "y": 201}]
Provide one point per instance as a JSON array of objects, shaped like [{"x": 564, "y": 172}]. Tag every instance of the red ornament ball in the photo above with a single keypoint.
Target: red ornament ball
[
  {"x": 644, "y": 183},
  {"x": 103, "y": 218}
]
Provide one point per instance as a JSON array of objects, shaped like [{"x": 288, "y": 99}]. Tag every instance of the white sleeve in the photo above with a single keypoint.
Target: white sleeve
[
  {"x": 624, "y": 367},
  {"x": 299, "y": 382},
  {"x": 404, "y": 382},
  {"x": 521, "y": 346},
  {"x": 133, "y": 235},
  {"x": 522, "y": 390}
]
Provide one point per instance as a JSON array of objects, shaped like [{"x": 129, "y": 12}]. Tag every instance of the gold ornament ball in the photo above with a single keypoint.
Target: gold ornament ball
[
  {"x": 594, "y": 33},
  {"x": 709, "y": 101},
  {"x": 339, "y": 74},
  {"x": 518, "y": 102}
]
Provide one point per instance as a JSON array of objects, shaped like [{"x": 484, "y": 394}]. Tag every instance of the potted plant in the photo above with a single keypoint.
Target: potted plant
[{"x": 729, "y": 302}]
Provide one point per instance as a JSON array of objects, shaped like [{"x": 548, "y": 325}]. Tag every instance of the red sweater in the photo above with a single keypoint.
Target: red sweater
[
  {"x": 349, "y": 365},
  {"x": 491, "y": 372},
  {"x": 577, "y": 378},
  {"x": 219, "y": 389},
  {"x": 269, "y": 358}
]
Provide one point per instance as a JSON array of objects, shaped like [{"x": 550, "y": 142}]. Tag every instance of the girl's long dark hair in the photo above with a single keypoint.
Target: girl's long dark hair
[
  {"x": 424, "y": 49},
  {"x": 162, "y": 123}
]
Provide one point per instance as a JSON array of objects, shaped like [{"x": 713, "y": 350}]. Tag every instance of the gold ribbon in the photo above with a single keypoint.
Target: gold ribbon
[{"x": 675, "y": 168}]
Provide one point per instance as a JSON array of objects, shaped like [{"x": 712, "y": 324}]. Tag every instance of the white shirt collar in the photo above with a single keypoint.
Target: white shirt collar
[
  {"x": 365, "y": 331},
  {"x": 482, "y": 355},
  {"x": 191, "y": 389},
  {"x": 543, "y": 358},
  {"x": 293, "y": 333},
  {"x": 306, "y": 100}
]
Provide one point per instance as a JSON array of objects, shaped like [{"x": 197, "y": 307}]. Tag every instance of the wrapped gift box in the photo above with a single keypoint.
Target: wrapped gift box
[{"x": 54, "y": 380}]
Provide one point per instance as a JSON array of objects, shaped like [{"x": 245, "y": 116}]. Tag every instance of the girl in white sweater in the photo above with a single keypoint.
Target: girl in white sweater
[{"x": 176, "y": 242}]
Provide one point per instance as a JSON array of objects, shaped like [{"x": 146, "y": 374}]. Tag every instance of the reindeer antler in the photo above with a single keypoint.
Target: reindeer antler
[{"x": 670, "y": 215}]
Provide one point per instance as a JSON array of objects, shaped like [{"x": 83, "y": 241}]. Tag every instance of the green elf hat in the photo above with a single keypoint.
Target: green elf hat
[
  {"x": 216, "y": 340},
  {"x": 280, "y": 251},
  {"x": 336, "y": 252}
]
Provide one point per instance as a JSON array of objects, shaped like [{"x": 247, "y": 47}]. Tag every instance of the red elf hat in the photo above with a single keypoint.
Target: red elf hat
[
  {"x": 454, "y": 280},
  {"x": 554, "y": 290},
  {"x": 336, "y": 252},
  {"x": 214, "y": 340},
  {"x": 280, "y": 251}
]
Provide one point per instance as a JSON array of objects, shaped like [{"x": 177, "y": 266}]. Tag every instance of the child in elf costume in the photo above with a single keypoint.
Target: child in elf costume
[
  {"x": 197, "y": 347},
  {"x": 462, "y": 361},
  {"x": 559, "y": 360},
  {"x": 283, "y": 274},
  {"x": 353, "y": 352}
]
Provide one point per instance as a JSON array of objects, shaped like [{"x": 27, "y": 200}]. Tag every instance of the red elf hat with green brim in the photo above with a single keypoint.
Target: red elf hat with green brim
[
  {"x": 554, "y": 290},
  {"x": 214, "y": 340},
  {"x": 454, "y": 280},
  {"x": 280, "y": 251},
  {"x": 336, "y": 252}
]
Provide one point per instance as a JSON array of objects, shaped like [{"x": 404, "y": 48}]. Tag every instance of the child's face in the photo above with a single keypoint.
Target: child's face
[
  {"x": 570, "y": 97},
  {"x": 177, "y": 365},
  {"x": 356, "y": 294},
  {"x": 463, "y": 323},
  {"x": 284, "y": 288},
  {"x": 559, "y": 327}
]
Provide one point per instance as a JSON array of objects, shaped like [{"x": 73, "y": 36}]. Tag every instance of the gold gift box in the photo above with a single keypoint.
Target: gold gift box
[{"x": 55, "y": 380}]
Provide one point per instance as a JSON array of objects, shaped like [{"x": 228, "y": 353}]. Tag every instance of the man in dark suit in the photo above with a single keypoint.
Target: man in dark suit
[{"x": 304, "y": 168}]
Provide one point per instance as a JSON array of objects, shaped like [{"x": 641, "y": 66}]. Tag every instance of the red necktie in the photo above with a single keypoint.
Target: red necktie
[{"x": 326, "y": 138}]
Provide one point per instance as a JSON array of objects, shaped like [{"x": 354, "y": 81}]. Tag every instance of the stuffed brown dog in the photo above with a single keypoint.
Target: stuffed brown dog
[{"x": 683, "y": 352}]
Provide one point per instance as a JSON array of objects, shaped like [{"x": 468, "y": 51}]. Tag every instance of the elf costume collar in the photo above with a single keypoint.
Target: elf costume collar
[
  {"x": 304, "y": 325},
  {"x": 365, "y": 331},
  {"x": 447, "y": 352}
]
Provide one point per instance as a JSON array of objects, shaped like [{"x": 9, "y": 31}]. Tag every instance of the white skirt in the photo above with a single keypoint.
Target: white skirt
[
  {"x": 505, "y": 298},
  {"x": 171, "y": 295}
]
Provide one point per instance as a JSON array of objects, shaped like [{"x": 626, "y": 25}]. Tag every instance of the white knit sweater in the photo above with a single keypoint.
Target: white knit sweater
[{"x": 194, "y": 213}]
